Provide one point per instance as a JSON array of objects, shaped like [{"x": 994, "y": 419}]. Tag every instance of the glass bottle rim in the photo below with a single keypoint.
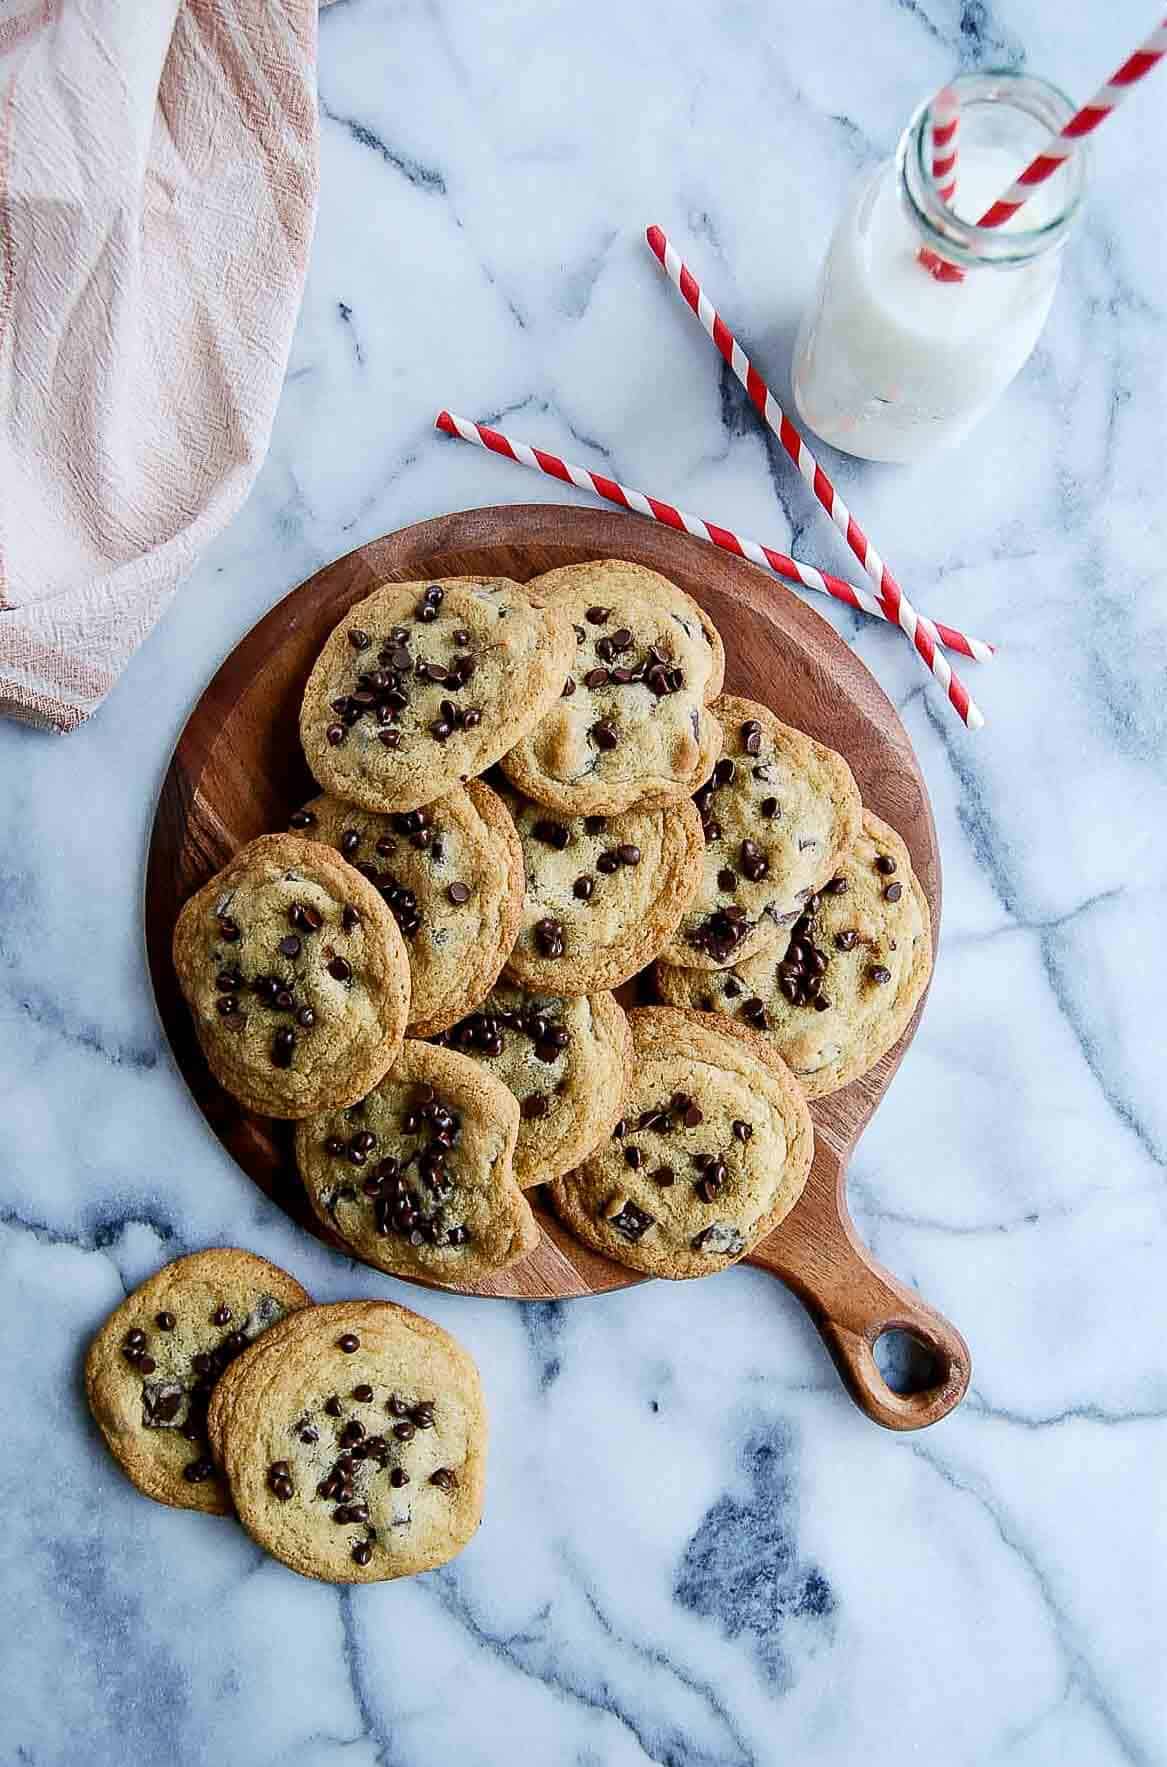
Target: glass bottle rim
[{"x": 963, "y": 242}]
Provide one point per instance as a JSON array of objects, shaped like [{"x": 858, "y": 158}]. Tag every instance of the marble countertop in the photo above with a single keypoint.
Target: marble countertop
[{"x": 695, "y": 1550}]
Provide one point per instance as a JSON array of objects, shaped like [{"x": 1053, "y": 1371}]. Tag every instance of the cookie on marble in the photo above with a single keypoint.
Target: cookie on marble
[
  {"x": 835, "y": 999},
  {"x": 424, "y": 685},
  {"x": 602, "y": 895},
  {"x": 354, "y": 1447},
  {"x": 296, "y": 976},
  {"x": 153, "y": 1365},
  {"x": 567, "y": 1062},
  {"x": 633, "y": 725},
  {"x": 777, "y": 813},
  {"x": 418, "y": 1178},
  {"x": 451, "y": 875},
  {"x": 713, "y": 1150}
]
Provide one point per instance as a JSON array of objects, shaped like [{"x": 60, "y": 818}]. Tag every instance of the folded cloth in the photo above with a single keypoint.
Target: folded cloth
[{"x": 158, "y": 175}]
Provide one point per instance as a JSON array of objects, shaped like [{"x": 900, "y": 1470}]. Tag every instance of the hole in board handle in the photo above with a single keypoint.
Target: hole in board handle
[{"x": 907, "y": 1364}]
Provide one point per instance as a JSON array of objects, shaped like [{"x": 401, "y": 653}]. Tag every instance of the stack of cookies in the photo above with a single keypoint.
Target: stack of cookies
[
  {"x": 531, "y": 796},
  {"x": 349, "y": 1439}
]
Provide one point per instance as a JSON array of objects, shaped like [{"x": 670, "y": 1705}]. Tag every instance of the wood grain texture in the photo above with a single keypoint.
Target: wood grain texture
[{"x": 238, "y": 771}]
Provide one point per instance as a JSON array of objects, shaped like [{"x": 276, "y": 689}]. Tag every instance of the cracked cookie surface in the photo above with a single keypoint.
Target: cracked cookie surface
[
  {"x": 296, "y": 977},
  {"x": 713, "y": 1150},
  {"x": 355, "y": 1446},
  {"x": 418, "y": 1178},
  {"x": 451, "y": 874},
  {"x": 840, "y": 993},
  {"x": 151, "y": 1368},
  {"x": 602, "y": 894},
  {"x": 424, "y": 685},
  {"x": 567, "y": 1062},
  {"x": 632, "y": 725},
  {"x": 777, "y": 812}
]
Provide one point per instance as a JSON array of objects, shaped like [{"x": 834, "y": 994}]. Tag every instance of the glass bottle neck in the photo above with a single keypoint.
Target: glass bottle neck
[{"x": 1005, "y": 118}]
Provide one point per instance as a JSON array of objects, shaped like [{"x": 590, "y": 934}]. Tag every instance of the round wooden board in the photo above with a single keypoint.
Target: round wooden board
[{"x": 238, "y": 771}]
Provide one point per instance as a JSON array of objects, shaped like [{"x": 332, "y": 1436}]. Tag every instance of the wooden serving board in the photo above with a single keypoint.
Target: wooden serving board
[{"x": 238, "y": 772}]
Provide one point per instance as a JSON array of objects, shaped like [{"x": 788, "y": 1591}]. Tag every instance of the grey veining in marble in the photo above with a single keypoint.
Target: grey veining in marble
[{"x": 695, "y": 1551}]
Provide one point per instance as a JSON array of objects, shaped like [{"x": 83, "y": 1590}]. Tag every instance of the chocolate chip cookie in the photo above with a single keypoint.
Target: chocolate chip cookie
[
  {"x": 566, "y": 1061},
  {"x": 712, "y": 1151},
  {"x": 355, "y": 1446},
  {"x": 418, "y": 1178},
  {"x": 425, "y": 685},
  {"x": 452, "y": 876},
  {"x": 632, "y": 726},
  {"x": 602, "y": 894},
  {"x": 840, "y": 993},
  {"x": 296, "y": 976},
  {"x": 777, "y": 812},
  {"x": 152, "y": 1366}
]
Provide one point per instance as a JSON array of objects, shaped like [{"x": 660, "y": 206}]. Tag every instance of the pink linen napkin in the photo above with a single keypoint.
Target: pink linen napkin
[{"x": 158, "y": 175}]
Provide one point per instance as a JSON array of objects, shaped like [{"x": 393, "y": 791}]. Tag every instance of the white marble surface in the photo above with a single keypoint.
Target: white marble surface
[{"x": 695, "y": 1550}]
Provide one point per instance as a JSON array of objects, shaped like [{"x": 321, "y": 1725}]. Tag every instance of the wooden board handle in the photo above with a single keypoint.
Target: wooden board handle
[{"x": 853, "y": 1300}]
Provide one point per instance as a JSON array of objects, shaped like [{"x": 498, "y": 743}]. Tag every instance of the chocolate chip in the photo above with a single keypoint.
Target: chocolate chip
[
  {"x": 197, "y": 1472},
  {"x": 582, "y": 888},
  {"x": 753, "y": 861},
  {"x": 836, "y": 887},
  {"x": 333, "y": 1406},
  {"x": 301, "y": 819},
  {"x": 289, "y": 946},
  {"x": 534, "y": 1106},
  {"x": 692, "y": 1115},
  {"x": 664, "y": 1176},
  {"x": 598, "y": 616},
  {"x": 228, "y": 931},
  {"x": 724, "y": 771},
  {"x": 596, "y": 678},
  {"x": 604, "y": 734},
  {"x": 885, "y": 864},
  {"x": 727, "y": 879},
  {"x": 390, "y": 739},
  {"x": 754, "y": 1013},
  {"x": 628, "y": 854},
  {"x": 221, "y": 1315},
  {"x": 845, "y": 941},
  {"x": 165, "y": 1321},
  {"x": 283, "y": 1047},
  {"x": 358, "y": 639},
  {"x": 444, "y": 1478},
  {"x": 305, "y": 917},
  {"x": 549, "y": 937},
  {"x": 423, "y": 1414},
  {"x": 145, "y": 1364},
  {"x": 551, "y": 834},
  {"x": 633, "y": 1157},
  {"x": 880, "y": 973},
  {"x": 348, "y": 1343},
  {"x": 335, "y": 734},
  {"x": 340, "y": 969},
  {"x": 568, "y": 688},
  {"x": 458, "y": 893},
  {"x": 751, "y": 734},
  {"x": 404, "y": 1431},
  {"x": 769, "y": 808},
  {"x": 398, "y": 1477},
  {"x": 742, "y": 1131},
  {"x": 893, "y": 892},
  {"x": 595, "y": 824},
  {"x": 631, "y": 1221},
  {"x": 608, "y": 862}
]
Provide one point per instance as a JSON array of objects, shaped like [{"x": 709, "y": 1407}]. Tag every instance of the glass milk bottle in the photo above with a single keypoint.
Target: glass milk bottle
[{"x": 890, "y": 362}]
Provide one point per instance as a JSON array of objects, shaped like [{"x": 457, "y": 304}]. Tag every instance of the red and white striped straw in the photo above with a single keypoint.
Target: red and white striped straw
[
  {"x": 791, "y": 570},
  {"x": 894, "y": 602},
  {"x": 945, "y": 119},
  {"x": 1108, "y": 98},
  {"x": 944, "y": 125}
]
